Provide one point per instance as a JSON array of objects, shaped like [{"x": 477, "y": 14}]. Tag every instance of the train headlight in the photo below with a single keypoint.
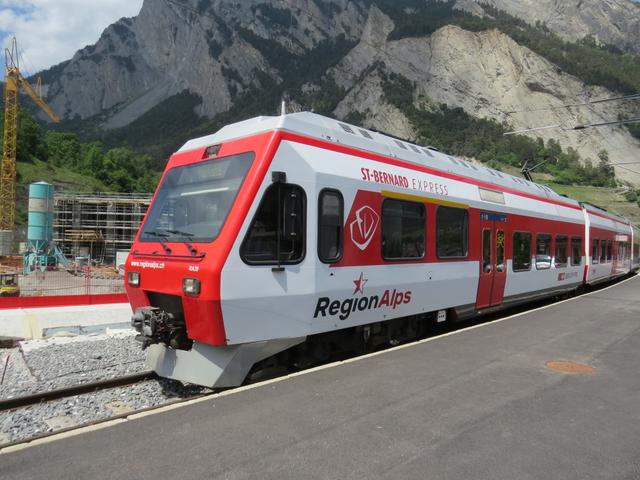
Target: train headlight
[
  {"x": 191, "y": 286},
  {"x": 134, "y": 279}
]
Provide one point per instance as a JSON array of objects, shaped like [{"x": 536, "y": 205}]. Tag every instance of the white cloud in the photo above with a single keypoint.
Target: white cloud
[{"x": 51, "y": 31}]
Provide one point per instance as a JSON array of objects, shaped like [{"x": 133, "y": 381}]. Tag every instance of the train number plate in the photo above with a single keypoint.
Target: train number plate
[{"x": 442, "y": 315}]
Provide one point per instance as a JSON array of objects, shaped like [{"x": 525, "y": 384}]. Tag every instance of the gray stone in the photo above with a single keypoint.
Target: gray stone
[{"x": 59, "y": 422}]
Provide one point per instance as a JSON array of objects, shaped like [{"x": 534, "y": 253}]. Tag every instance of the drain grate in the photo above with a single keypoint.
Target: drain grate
[{"x": 570, "y": 367}]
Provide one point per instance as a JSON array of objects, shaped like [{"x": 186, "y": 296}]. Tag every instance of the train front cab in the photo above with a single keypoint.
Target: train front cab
[{"x": 174, "y": 269}]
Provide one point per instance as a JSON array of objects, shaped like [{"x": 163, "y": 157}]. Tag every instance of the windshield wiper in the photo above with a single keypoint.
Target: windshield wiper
[
  {"x": 160, "y": 235},
  {"x": 153, "y": 233},
  {"x": 191, "y": 248},
  {"x": 180, "y": 232}
]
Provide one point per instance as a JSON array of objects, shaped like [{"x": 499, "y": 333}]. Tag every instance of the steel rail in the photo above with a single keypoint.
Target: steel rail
[
  {"x": 41, "y": 397},
  {"x": 92, "y": 423}
]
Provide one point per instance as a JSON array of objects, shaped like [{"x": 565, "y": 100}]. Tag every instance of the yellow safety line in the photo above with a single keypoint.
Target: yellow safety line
[{"x": 420, "y": 198}]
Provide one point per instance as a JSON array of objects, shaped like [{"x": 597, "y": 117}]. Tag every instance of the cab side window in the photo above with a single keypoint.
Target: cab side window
[{"x": 277, "y": 232}]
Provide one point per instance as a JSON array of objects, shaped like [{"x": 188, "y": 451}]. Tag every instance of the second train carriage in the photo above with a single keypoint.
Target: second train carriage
[
  {"x": 609, "y": 241},
  {"x": 278, "y": 229}
]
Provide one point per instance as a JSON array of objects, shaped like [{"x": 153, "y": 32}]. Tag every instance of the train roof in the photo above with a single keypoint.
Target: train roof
[
  {"x": 328, "y": 129},
  {"x": 604, "y": 213}
]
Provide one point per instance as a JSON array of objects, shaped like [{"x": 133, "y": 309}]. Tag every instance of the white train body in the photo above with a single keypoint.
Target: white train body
[{"x": 327, "y": 227}]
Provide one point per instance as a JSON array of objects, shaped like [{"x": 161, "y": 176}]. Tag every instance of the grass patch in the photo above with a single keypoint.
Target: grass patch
[{"x": 606, "y": 198}]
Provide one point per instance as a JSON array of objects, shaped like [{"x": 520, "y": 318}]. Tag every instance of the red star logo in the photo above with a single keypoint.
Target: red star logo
[{"x": 360, "y": 283}]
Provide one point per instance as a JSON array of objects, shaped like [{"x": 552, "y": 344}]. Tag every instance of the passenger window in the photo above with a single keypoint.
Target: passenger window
[
  {"x": 594, "y": 251},
  {"x": 452, "y": 232},
  {"x": 277, "y": 233},
  {"x": 609, "y": 251},
  {"x": 543, "y": 251},
  {"x": 403, "y": 229},
  {"x": 330, "y": 225},
  {"x": 576, "y": 251},
  {"x": 603, "y": 251},
  {"x": 562, "y": 247},
  {"x": 521, "y": 251}
]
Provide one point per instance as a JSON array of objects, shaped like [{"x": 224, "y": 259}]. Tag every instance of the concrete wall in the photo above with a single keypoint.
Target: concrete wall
[{"x": 31, "y": 323}]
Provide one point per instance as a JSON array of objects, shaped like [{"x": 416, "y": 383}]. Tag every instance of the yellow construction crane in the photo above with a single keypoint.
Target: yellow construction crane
[{"x": 14, "y": 81}]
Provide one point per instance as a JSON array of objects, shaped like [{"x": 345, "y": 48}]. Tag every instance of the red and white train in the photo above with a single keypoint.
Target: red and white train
[{"x": 278, "y": 239}]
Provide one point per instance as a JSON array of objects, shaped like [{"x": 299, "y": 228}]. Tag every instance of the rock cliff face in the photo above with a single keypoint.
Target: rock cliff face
[
  {"x": 211, "y": 48},
  {"x": 218, "y": 49},
  {"x": 612, "y": 22},
  {"x": 487, "y": 74}
]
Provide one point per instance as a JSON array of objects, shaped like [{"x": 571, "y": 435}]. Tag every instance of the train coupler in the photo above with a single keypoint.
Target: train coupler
[{"x": 157, "y": 326}]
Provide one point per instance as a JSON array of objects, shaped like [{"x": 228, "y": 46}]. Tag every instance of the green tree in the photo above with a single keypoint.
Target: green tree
[
  {"x": 64, "y": 149},
  {"x": 127, "y": 171}
]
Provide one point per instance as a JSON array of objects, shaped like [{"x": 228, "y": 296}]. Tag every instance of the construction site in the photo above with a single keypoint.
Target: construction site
[
  {"x": 76, "y": 243},
  {"x": 97, "y": 226},
  {"x": 77, "y": 248}
]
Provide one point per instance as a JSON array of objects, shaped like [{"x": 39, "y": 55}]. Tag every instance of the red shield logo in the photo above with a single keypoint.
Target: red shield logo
[{"x": 364, "y": 226}]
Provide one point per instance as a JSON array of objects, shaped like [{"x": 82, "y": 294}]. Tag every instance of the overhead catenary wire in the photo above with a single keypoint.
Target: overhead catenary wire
[
  {"x": 534, "y": 129},
  {"x": 575, "y": 127},
  {"x": 627, "y": 169},
  {"x": 605, "y": 124},
  {"x": 607, "y": 140},
  {"x": 634, "y": 96}
]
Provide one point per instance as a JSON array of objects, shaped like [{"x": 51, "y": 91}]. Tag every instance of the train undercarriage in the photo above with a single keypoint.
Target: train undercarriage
[{"x": 172, "y": 354}]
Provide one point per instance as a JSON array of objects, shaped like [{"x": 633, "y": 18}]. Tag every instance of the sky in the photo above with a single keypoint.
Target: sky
[{"x": 51, "y": 31}]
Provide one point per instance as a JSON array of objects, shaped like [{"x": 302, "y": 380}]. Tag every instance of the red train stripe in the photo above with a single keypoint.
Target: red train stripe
[
  {"x": 608, "y": 217},
  {"x": 314, "y": 142}
]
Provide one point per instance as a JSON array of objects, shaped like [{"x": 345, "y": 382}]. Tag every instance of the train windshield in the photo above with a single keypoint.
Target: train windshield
[{"x": 194, "y": 200}]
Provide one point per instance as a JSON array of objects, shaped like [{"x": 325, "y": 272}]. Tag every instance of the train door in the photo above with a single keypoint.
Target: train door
[{"x": 493, "y": 268}]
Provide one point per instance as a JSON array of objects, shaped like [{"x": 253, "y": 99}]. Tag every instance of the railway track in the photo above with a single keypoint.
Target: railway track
[
  {"x": 38, "y": 398},
  {"x": 96, "y": 422}
]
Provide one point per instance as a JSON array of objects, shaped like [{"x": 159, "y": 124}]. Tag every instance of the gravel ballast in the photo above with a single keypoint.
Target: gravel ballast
[
  {"x": 41, "y": 365},
  {"x": 59, "y": 362}
]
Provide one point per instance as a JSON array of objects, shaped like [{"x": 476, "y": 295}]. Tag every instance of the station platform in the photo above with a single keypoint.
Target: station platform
[{"x": 479, "y": 403}]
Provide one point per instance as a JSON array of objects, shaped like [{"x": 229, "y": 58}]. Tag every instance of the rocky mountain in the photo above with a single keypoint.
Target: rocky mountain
[
  {"x": 224, "y": 58},
  {"x": 487, "y": 74},
  {"x": 210, "y": 48},
  {"x": 611, "y": 22}
]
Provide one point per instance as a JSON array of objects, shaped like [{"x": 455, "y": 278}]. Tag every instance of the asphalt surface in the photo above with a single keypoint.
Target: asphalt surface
[{"x": 478, "y": 404}]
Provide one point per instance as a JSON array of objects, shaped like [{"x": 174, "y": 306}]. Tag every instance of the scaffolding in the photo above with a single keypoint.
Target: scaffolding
[{"x": 95, "y": 226}]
